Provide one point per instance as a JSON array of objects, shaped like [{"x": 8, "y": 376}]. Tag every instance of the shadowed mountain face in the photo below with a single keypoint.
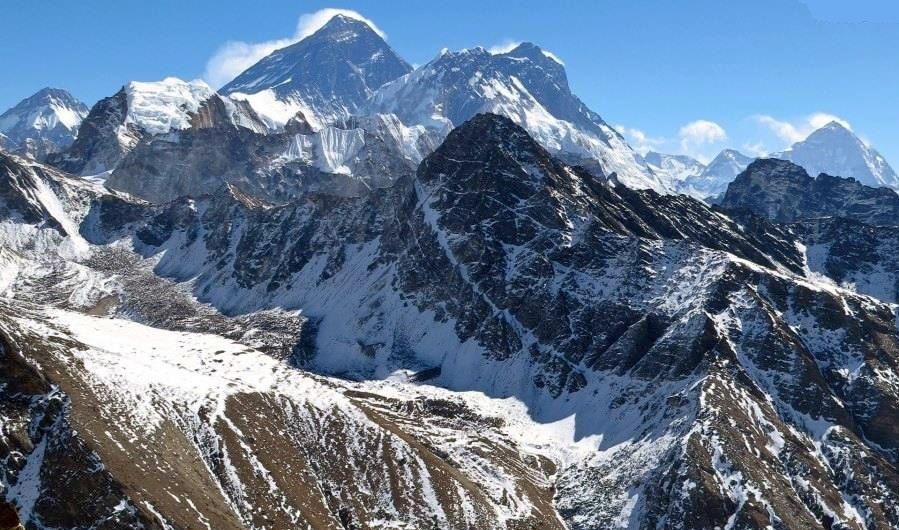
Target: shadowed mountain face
[
  {"x": 784, "y": 192},
  {"x": 346, "y": 159},
  {"x": 518, "y": 345},
  {"x": 847, "y": 231},
  {"x": 330, "y": 73}
]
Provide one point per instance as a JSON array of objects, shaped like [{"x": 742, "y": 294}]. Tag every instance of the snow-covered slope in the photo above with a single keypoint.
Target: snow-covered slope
[
  {"x": 41, "y": 209},
  {"x": 673, "y": 169},
  {"x": 327, "y": 76},
  {"x": 835, "y": 150},
  {"x": 524, "y": 84},
  {"x": 43, "y": 123}
]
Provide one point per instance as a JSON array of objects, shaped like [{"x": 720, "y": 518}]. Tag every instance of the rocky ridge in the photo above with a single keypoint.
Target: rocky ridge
[{"x": 708, "y": 377}]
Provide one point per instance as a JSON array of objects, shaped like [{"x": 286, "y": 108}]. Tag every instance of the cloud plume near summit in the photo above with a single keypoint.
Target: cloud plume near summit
[{"x": 233, "y": 57}]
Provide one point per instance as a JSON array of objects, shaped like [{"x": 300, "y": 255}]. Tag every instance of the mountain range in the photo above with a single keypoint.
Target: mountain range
[
  {"x": 346, "y": 72},
  {"x": 691, "y": 177},
  {"x": 833, "y": 149},
  {"x": 343, "y": 293}
]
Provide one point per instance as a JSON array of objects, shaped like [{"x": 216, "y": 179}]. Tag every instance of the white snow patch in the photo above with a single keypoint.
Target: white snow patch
[{"x": 163, "y": 106}]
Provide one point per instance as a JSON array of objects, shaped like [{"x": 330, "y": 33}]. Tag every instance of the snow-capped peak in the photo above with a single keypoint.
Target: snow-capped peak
[
  {"x": 161, "y": 106},
  {"x": 674, "y": 168},
  {"x": 328, "y": 75},
  {"x": 44, "y": 110},
  {"x": 837, "y": 151},
  {"x": 524, "y": 84},
  {"x": 44, "y": 122},
  {"x": 714, "y": 178},
  {"x": 533, "y": 51}
]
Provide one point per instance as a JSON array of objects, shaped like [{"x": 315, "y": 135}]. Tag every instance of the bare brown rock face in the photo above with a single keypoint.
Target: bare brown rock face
[{"x": 9, "y": 518}]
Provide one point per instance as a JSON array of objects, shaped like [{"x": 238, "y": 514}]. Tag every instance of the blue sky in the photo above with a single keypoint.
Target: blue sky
[{"x": 689, "y": 76}]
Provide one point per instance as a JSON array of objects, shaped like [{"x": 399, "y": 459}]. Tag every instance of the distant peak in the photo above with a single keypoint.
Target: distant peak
[
  {"x": 343, "y": 24},
  {"x": 475, "y": 50},
  {"x": 534, "y": 52},
  {"x": 341, "y": 20},
  {"x": 732, "y": 154},
  {"x": 527, "y": 46},
  {"x": 167, "y": 83},
  {"x": 49, "y": 94},
  {"x": 655, "y": 158},
  {"x": 835, "y": 125},
  {"x": 833, "y": 128},
  {"x": 50, "y": 91}
]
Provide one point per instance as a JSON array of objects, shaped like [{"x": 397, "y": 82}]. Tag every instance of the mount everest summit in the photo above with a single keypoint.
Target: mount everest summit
[
  {"x": 327, "y": 76},
  {"x": 343, "y": 293}
]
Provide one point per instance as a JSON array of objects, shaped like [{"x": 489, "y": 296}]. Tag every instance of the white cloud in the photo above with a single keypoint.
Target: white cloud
[
  {"x": 504, "y": 47},
  {"x": 700, "y": 139},
  {"x": 553, "y": 56},
  {"x": 820, "y": 119},
  {"x": 639, "y": 140},
  {"x": 234, "y": 57},
  {"x": 701, "y": 132},
  {"x": 312, "y": 22},
  {"x": 756, "y": 149},
  {"x": 797, "y": 131},
  {"x": 696, "y": 135},
  {"x": 782, "y": 129}
]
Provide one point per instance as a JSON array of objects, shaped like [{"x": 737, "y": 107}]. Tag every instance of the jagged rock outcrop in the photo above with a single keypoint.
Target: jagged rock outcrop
[
  {"x": 783, "y": 192},
  {"x": 847, "y": 231},
  {"x": 103, "y": 138},
  {"x": 344, "y": 159},
  {"x": 9, "y": 518},
  {"x": 116, "y": 124}
]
